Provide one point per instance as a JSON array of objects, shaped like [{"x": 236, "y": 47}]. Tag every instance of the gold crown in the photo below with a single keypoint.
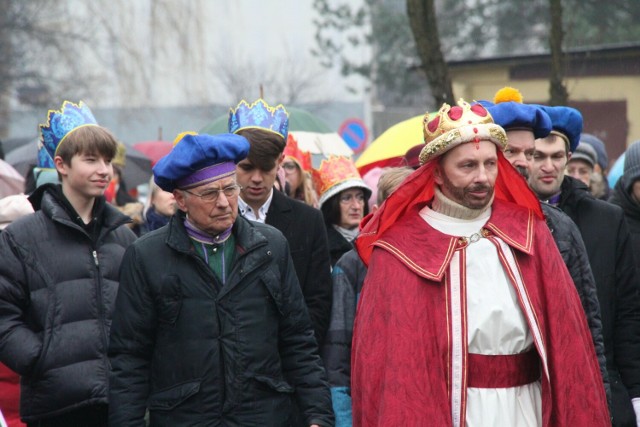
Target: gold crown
[{"x": 451, "y": 126}]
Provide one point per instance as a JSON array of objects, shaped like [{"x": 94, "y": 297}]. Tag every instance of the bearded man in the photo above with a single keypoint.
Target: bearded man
[{"x": 468, "y": 315}]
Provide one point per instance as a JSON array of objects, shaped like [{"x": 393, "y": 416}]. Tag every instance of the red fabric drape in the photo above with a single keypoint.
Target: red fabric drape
[{"x": 418, "y": 189}]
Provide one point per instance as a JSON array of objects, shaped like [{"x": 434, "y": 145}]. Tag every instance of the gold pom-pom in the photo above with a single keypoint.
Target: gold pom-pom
[
  {"x": 182, "y": 135},
  {"x": 507, "y": 94}
]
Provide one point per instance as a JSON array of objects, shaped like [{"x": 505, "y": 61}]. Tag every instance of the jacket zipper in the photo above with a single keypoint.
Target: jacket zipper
[{"x": 100, "y": 303}]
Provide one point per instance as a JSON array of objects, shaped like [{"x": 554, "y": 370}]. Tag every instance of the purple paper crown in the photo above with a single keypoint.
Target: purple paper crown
[
  {"x": 259, "y": 115},
  {"x": 61, "y": 122}
]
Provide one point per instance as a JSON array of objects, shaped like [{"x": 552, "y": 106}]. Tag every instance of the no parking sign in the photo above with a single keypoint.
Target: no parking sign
[{"x": 355, "y": 134}]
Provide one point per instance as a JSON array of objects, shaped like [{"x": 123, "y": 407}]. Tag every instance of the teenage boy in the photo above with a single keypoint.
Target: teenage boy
[{"x": 59, "y": 277}]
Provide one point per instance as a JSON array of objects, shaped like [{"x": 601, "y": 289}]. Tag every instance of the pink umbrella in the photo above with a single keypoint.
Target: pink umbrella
[
  {"x": 154, "y": 150},
  {"x": 11, "y": 182}
]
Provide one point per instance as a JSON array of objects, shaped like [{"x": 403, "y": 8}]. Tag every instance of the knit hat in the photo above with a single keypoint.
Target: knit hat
[
  {"x": 631, "y": 172},
  {"x": 586, "y": 153},
  {"x": 598, "y": 145}
]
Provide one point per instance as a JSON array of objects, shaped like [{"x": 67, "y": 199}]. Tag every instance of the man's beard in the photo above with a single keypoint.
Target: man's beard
[
  {"x": 461, "y": 195},
  {"x": 523, "y": 171}
]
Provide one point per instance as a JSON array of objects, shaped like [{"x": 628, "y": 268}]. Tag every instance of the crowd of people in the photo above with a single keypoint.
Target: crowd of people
[{"x": 492, "y": 280}]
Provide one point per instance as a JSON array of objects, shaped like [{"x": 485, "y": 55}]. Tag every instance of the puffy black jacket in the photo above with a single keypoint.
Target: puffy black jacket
[
  {"x": 196, "y": 353},
  {"x": 58, "y": 286},
  {"x": 606, "y": 237}
]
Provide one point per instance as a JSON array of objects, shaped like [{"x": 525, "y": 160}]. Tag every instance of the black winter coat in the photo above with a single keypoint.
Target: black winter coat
[
  {"x": 606, "y": 237},
  {"x": 196, "y": 353},
  {"x": 304, "y": 229},
  {"x": 574, "y": 254},
  {"x": 57, "y": 293},
  {"x": 338, "y": 245},
  {"x": 631, "y": 210}
]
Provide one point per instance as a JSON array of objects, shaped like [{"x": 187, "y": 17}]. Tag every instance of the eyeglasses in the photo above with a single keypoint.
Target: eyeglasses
[
  {"x": 212, "y": 195},
  {"x": 289, "y": 166},
  {"x": 345, "y": 199}
]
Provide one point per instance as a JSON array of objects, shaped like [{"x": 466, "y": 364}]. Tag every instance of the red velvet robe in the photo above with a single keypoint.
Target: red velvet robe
[{"x": 401, "y": 355}]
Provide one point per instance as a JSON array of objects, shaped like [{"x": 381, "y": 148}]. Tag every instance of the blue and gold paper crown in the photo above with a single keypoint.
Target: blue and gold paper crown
[
  {"x": 45, "y": 161},
  {"x": 259, "y": 115},
  {"x": 62, "y": 122}
]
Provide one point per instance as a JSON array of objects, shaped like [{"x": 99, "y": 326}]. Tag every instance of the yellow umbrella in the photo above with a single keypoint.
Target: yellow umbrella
[{"x": 389, "y": 148}]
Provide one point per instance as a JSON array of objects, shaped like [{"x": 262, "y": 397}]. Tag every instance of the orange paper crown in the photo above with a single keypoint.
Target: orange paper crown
[
  {"x": 335, "y": 174},
  {"x": 303, "y": 158},
  {"x": 452, "y": 126}
]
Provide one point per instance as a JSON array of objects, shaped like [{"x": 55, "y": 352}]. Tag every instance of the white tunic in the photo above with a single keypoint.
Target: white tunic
[{"x": 495, "y": 325}]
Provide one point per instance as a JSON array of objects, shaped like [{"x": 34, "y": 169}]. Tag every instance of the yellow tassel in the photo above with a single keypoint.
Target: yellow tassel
[{"x": 507, "y": 94}]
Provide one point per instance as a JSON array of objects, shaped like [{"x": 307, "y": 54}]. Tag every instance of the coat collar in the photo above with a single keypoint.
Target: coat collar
[
  {"x": 510, "y": 222},
  {"x": 245, "y": 232}
]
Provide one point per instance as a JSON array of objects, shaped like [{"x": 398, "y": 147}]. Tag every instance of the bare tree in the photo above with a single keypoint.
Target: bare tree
[
  {"x": 557, "y": 91},
  {"x": 39, "y": 42},
  {"x": 422, "y": 17},
  {"x": 286, "y": 80}
]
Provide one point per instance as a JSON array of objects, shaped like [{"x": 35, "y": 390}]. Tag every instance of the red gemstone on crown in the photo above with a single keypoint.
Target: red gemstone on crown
[
  {"x": 433, "y": 124},
  {"x": 455, "y": 112}
]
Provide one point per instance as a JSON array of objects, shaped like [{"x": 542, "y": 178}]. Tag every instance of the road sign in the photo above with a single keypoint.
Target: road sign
[{"x": 355, "y": 134}]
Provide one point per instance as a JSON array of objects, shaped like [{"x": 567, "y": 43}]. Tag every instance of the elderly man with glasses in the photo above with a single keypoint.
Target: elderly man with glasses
[{"x": 210, "y": 325}]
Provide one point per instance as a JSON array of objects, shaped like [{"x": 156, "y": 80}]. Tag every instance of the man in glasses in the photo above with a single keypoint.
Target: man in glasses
[{"x": 210, "y": 325}]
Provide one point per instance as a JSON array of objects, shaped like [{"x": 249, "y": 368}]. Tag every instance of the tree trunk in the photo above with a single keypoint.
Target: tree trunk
[
  {"x": 422, "y": 18},
  {"x": 557, "y": 91}
]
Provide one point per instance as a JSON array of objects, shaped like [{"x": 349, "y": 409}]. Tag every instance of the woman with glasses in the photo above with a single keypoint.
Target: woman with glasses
[{"x": 343, "y": 202}]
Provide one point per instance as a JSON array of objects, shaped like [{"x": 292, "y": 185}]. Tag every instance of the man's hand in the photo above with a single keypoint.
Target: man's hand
[{"x": 314, "y": 425}]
